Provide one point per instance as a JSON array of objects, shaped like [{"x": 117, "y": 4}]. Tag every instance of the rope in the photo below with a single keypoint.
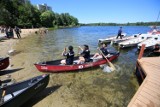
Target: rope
[{"x": 158, "y": 16}]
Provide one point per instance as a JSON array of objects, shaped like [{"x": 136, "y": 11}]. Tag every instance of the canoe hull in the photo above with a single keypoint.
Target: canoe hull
[
  {"x": 28, "y": 93},
  {"x": 74, "y": 67},
  {"x": 4, "y": 63}
]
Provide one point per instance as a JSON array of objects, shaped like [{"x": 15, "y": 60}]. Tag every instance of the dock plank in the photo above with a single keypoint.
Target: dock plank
[
  {"x": 138, "y": 103},
  {"x": 152, "y": 100},
  {"x": 148, "y": 94}
]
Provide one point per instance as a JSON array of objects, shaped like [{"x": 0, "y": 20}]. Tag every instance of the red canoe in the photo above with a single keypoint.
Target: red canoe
[
  {"x": 4, "y": 63},
  {"x": 54, "y": 66}
]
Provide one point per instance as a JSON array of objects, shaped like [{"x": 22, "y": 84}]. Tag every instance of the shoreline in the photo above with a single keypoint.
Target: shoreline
[{"x": 7, "y": 44}]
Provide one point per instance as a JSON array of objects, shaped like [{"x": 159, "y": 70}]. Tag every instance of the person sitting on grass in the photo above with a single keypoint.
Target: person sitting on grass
[
  {"x": 84, "y": 55},
  {"x": 104, "y": 51},
  {"x": 69, "y": 56}
]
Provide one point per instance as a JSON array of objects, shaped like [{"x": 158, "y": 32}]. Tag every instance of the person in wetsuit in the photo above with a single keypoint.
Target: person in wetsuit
[
  {"x": 69, "y": 56},
  {"x": 84, "y": 55},
  {"x": 104, "y": 51},
  {"x": 17, "y": 31},
  {"x": 119, "y": 33}
]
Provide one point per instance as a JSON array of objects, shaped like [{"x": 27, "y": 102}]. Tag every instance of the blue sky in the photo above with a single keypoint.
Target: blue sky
[{"x": 117, "y": 11}]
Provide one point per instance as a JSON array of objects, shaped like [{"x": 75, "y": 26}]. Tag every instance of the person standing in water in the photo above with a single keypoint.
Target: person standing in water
[
  {"x": 10, "y": 31},
  {"x": 17, "y": 31},
  {"x": 120, "y": 33}
]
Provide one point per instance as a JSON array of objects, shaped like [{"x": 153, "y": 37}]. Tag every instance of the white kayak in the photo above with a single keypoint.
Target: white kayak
[
  {"x": 134, "y": 41},
  {"x": 150, "y": 43},
  {"x": 116, "y": 41},
  {"x": 109, "y": 39}
]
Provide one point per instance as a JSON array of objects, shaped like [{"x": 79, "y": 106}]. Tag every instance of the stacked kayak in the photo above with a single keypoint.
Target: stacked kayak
[
  {"x": 134, "y": 41},
  {"x": 151, "y": 42},
  {"x": 109, "y": 39}
]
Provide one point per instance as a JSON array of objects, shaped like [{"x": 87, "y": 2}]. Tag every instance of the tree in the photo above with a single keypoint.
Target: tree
[
  {"x": 24, "y": 14},
  {"x": 47, "y": 18}
]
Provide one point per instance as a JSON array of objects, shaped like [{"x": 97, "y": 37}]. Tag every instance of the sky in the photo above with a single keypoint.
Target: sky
[{"x": 107, "y": 11}]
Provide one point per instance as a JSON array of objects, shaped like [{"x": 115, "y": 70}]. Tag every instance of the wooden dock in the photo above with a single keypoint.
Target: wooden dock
[{"x": 148, "y": 94}]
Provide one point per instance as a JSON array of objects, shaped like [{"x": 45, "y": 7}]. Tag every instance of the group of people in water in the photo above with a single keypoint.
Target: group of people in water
[
  {"x": 9, "y": 31},
  {"x": 84, "y": 54}
]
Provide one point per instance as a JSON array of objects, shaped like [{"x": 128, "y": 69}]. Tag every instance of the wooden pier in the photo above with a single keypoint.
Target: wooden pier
[{"x": 148, "y": 94}]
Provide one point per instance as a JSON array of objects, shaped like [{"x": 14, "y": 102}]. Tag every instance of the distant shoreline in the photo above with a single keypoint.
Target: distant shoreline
[{"x": 122, "y": 24}]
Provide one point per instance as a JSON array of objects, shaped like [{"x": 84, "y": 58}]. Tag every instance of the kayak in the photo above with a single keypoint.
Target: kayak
[
  {"x": 116, "y": 41},
  {"x": 109, "y": 39},
  {"x": 151, "y": 42},
  {"x": 134, "y": 41},
  {"x": 55, "y": 66},
  {"x": 4, "y": 63},
  {"x": 17, "y": 94}
]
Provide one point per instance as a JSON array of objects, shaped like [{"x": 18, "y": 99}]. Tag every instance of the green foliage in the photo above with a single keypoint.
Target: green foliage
[
  {"x": 65, "y": 19},
  {"x": 47, "y": 18},
  {"x": 123, "y": 24},
  {"x": 15, "y": 12}
]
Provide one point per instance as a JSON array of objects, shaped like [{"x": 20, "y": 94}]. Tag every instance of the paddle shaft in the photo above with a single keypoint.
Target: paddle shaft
[
  {"x": 110, "y": 64},
  {"x": 4, "y": 93}
]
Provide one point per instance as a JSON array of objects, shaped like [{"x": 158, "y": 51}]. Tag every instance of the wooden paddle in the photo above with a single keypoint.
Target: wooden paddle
[
  {"x": 3, "y": 94},
  {"x": 109, "y": 63}
]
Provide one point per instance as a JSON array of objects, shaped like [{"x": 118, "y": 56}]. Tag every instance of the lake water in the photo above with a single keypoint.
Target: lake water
[{"x": 87, "y": 88}]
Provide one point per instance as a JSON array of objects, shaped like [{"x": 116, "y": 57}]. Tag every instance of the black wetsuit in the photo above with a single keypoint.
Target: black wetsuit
[
  {"x": 119, "y": 33},
  {"x": 17, "y": 31},
  {"x": 86, "y": 55},
  {"x": 70, "y": 57},
  {"x": 105, "y": 51}
]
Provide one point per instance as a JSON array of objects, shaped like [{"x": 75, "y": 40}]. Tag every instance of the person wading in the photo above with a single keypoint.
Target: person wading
[
  {"x": 120, "y": 33},
  {"x": 17, "y": 31}
]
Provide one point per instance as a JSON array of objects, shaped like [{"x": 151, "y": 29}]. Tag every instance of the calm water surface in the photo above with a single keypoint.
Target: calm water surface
[{"x": 91, "y": 87}]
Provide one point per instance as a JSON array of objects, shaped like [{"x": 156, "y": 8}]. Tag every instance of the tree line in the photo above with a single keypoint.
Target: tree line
[
  {"x": 123, "y": 24},
  {"x": 18, "y": 13}
]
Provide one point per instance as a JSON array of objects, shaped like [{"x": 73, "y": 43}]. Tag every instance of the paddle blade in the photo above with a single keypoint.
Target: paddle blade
[
  {"x": 112, "y": 66},
  {"x": 107, "y": 69},
  {"x": 111, "y": 42}
]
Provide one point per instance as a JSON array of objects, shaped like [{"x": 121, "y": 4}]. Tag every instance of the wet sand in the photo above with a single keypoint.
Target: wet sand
[{"x": 89, "y": 88}]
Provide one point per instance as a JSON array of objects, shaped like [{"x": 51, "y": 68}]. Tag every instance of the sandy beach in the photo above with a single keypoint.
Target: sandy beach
[
  {"x": 8, "y": 44},
  {"x": 16, "y": 58}
]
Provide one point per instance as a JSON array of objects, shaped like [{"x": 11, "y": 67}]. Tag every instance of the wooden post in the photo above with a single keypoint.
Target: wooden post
[
  {"x": 141, "y": 51},
  {"x": 139, "y": 57}
]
